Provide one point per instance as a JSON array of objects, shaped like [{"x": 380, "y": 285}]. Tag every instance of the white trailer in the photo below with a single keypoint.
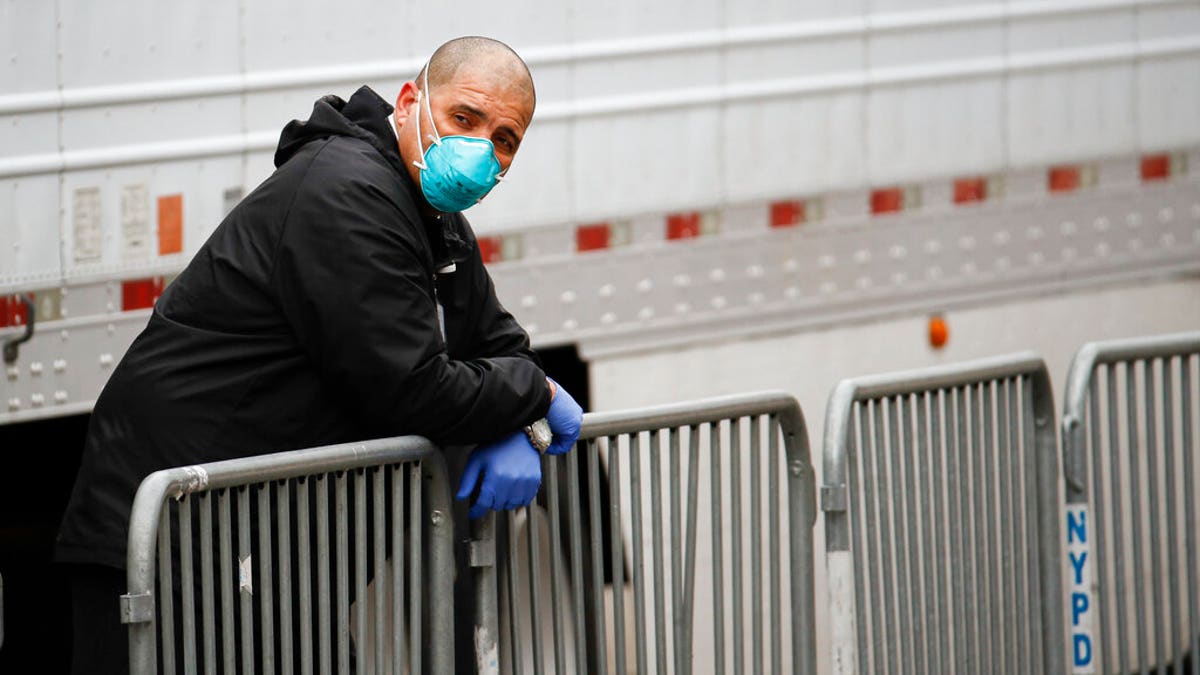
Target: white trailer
[{"x": 713, "y": 197}]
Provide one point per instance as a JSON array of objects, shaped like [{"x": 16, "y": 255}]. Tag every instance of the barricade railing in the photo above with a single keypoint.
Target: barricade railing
[
  {"x": 664, "y": 553},
  {"x": 301, "y": 561},
  {"x": 1131, "y": 445},
  {"x": 940, "y": 502}
]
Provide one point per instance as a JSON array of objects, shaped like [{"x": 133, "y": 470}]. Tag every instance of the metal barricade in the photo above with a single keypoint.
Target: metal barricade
[
  {"x": 260, "y": 561},
  {"x": 715, "y": 575},
  {"x": 941, "y": 521},
  {"x": 1131, "y": 443}
]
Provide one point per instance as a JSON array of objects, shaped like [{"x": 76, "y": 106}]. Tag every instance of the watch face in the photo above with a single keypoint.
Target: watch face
[{"x": 542, "y": 435}]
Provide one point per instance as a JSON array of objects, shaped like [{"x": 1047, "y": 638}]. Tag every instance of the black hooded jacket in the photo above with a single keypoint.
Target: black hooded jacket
[{"x": 309, "y": 317}]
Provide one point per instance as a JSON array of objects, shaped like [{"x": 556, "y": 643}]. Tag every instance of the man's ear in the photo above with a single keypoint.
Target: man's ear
[{"x": 404, "y": 102}]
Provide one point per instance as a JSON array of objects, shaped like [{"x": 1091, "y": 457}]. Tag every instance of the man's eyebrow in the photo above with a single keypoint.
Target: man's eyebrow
[{"x": 483, "y": 116}]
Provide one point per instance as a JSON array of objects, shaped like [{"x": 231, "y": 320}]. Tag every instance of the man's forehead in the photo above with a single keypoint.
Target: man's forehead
[{"x": 509, "y": 86}]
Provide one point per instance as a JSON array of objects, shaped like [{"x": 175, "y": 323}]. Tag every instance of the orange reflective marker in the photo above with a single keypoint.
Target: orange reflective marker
[
  {"x": 939, "y": 333},
  {"x": 170, "y": 224}
]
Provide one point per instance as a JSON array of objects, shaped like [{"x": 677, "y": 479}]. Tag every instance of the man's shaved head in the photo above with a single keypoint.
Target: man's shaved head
[{"x": 480, "y": 55}]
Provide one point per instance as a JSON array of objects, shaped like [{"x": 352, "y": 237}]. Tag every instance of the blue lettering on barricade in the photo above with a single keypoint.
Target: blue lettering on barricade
[{"x": 1080, "y": 587}]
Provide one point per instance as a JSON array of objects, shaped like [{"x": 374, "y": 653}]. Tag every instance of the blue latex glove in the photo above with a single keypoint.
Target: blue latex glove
[
  {"x": 565, "y": 418},
  {"x": 512, "y": 473}
]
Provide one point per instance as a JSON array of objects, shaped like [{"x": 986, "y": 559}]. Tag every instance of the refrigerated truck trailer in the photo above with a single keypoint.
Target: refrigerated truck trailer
[{"x": 713, "y": 196}]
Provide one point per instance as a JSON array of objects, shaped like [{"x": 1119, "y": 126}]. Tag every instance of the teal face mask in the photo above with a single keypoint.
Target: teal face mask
[{"x": 456, "y": 171}]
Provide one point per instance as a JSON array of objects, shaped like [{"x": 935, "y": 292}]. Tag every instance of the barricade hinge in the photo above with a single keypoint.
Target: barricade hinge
[
  {"x": 833, "y": 498},
  {"x": 481, "y": 553},
  {"x": 137, "y": 608}
]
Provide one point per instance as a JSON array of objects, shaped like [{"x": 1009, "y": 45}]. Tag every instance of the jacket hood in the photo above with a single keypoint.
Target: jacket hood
[{"x": 365, "y": 116}]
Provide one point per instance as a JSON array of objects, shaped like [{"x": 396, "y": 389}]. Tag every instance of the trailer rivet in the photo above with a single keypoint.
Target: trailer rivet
[{"x": 797, "y": 468}]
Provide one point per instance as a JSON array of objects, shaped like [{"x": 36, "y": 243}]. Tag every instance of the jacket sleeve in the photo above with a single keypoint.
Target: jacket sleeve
[
  {"x": 491, "y": 329},
  {"x": 351, "y": 280}
]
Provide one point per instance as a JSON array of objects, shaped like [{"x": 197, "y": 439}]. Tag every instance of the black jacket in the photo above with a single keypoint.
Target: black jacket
[{"x": 309, "y": 317}]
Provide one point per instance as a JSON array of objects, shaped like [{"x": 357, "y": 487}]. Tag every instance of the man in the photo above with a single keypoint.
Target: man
[{"x": 344, "y": 299}]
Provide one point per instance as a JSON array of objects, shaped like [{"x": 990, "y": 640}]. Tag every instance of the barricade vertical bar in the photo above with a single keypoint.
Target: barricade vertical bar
[
  {"x": 890, "y": 592},
  {"x": 579, "y": 630},
  {"x": 208, "y": 606},
  {"x": 552, "y": 492},
  {"x": 1007, "y": 531},
  {"x": 1119, "y": 509},
  {"x": 1168, "y": 436},
  {"x": 1152, "y": 489},
  {"x": 660, "y": 612},
  {"x": 968, "y": 621},
  {"x": 416, "y": 527},
  {"x": 283, "y": 508},
  {"x": 861, "y": 527},
  {"x": 954, "y": 459},
  {"x": 399, "y": 649},
  {"x": 755, "y": 514},
  {"x": 618, "y": 556},
  {"x": 689, "y": 563},
  {"x": 1023, "y": 526},
  {"x": 1135, "y": 512},
  {"x": 225, "y": 517},
  {"x": 774, "y": 465},
  {"x": 919, "y": 607},
  {"x": 1190, "y": 478},
  {"x": 245, "y": 579},
  {"x": 441, "y": 561},
  {"x": 166, "y": 604},
  {"x": 673, "y": 507},
  {"x": 1100, "y": 516},
  {"x": 735, "y": 542},
  {"x": 342, "y": 554},
  {"x": 935, "y": 406},
  {"x": 904, "y": 578},
  {"x": 979, "y": 523},
  {"x": 1049, "y": 504},
  {"x": 535, "y": 582},
  {"x": 379, "y": 528},
  {"x": 324, "y": 629},
  {"x": 970, "y": 510},
  {"x": 592, "y": 448},
  {"x": 718, "y": 550},
  {"x": 514, "y": 613},
  {"x": 1031, "y": 525},
  {"x": 360, "y": 569},
  {"x": 304, "y": 562},
  {"x": 639, "y": 584},
  {"x": 187, "y": 586},
  {"x": 266, "y": 600},
  {"x": 931, "y": 508},
  {"x": 875, "y": 570}
]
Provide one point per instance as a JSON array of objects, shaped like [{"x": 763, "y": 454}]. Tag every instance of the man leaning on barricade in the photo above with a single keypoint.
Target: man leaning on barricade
[{"x": 344, "y": 299}]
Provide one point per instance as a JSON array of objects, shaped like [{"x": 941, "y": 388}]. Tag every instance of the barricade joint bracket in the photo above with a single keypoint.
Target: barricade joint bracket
[
  {"x": 137, "y": 608},
  {"x": 480, "y": 553},
  {"x": 833, "y": 498}
]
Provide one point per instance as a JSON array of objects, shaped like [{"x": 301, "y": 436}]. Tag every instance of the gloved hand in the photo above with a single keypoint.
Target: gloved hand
[
  {"x": 512, "y": 473},
  {"x": 565, "y": 418}
]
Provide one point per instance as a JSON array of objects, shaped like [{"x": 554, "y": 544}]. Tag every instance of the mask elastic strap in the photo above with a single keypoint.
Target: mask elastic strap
[
  {"x": 435, "y": 137},
  {"x": 419, "y": 163}
]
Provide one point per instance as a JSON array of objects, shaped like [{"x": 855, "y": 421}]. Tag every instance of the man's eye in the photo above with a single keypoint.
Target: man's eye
[{"x": 461, "y": 119}]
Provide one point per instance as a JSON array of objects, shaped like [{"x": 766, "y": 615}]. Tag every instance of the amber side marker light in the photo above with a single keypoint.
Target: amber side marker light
[{"x": 939, "y": 332}]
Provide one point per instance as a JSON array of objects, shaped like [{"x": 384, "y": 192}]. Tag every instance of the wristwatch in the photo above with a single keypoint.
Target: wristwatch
[{"x": 539, "y": 435}]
